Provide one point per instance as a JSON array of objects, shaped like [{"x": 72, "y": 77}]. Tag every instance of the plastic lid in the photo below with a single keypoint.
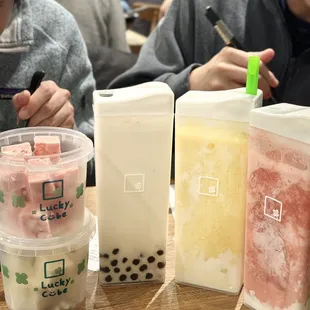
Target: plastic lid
[
  {"x": 153, "y": 98},
  {"x": 75, "y": 146},
  {"x": 287, "y": 120},
  {"x": 229, "y": 105},
  {"x": 51, "y": 246},
  {"x": 252, "y": 75}
]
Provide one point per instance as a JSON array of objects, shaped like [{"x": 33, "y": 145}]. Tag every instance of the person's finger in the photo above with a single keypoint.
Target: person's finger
[
  {"x": 233, "y": 73},
  {"x": 237, "y": 76},
  {"x": 20, "y": 100},
  {"x": 68, "y": 122},
  {"x": 240, "y": 58},
  {"x": 60, "y": 117},
  {"x": 50, "y": 108},
  {"x": 266, "y": 56},
  {"x": 42, "y": 95}
]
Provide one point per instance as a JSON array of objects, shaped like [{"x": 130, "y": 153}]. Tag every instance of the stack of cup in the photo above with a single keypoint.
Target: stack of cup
[{"x": 44, "y": 226}]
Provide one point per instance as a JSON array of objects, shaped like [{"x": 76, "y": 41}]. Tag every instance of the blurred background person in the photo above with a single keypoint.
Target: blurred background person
[{"x": 102, "y": 24}]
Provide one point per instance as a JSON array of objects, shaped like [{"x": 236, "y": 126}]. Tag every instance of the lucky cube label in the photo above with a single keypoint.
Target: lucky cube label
[
  {"x": 134, "y": 183},
  {"x": 54, "y": 269},
  {"x": 273, "y": 208},
  {"x": 208, "y": 186},
  {"x": 53, "y": 189}
]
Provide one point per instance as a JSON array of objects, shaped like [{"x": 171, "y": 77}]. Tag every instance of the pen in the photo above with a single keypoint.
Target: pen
[
  {"x": 222, "y": 29},
  {"x": 9, "y": 93},
  {"x": 226, "y": 35}
]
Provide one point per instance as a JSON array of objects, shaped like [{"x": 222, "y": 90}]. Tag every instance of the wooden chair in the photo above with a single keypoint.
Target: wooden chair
[
  {"x": 144, "y": 11},
  {"x": 148, "y": 12}
]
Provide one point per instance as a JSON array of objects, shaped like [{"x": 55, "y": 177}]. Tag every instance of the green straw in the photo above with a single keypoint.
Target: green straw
[{"x": 252, "y": 76}]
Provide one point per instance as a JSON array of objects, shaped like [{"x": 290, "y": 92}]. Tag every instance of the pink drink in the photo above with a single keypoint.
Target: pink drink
[{"x": 278, "y": 215}]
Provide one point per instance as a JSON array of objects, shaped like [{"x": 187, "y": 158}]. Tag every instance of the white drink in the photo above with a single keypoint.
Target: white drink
[{"x": 133, "y": 138}]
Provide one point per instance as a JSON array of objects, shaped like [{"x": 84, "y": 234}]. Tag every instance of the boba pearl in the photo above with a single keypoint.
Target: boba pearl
[
  {"x": 136, "y": 262},
  {"x": 105, "y": 269},
  {"x": 123, "y": 278},
  {"x": 115, "y": 251},
  {"x": 108, "y": 279},
  {"x": 143, "y": 268}
]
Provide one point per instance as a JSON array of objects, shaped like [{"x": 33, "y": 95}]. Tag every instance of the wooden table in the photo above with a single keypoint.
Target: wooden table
[{"x": 167, "y": 296}]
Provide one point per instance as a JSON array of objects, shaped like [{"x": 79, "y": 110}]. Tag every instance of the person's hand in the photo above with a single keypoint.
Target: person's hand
[
  {"x": 164, "y": 8},
  {"x": 48, "y": 106},
  {"x": 228, "y": 70}
]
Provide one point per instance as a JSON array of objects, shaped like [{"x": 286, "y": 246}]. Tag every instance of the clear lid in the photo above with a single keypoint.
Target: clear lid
[
  {"x": 287, "y": 120},
  {"x": 153, "y": 98},
  {"x": 228, "y": 105},
  {"x": 75, "y": 147},
  {"x": 51, "y": 246}
]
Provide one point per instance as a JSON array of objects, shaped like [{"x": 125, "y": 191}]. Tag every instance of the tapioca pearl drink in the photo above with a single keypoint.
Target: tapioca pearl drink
[{"x": 133, "y": 136}]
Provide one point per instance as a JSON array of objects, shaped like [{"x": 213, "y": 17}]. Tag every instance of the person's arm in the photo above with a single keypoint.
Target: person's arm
[
  {"x": 161, "y": 58},
  {"x": 116, "y": 27},
  {"x": 170, "y": 56},
  {"x": 164, "y": 8},
  {"x": 77, "y": 77}
]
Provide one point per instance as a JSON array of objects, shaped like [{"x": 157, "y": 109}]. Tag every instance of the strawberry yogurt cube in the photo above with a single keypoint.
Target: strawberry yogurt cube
[
  {"x": 12, "y": 179},
  {"x": 46, "y": 145},
  {"x": 32, "y": 224},
  {"x": 21, "y": 149},
  {"x": 24, "y": 219}
]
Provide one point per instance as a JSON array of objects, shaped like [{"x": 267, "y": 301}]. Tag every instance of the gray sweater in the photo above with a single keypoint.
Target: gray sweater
[
  {"x": 101, "y": 22},
  {"x": 42, "y": 35},
  {"x": 185, "y": 40}
]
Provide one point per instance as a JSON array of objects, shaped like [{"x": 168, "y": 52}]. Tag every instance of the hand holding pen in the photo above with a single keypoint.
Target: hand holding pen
[
  {"x": 44, "y": 104},
  {"x": 228, "y": 69}
]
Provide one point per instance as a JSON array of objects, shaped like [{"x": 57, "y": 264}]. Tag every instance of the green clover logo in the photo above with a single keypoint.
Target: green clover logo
[
  {"x": 18, "y": 201},
  {"x": 81, "y": 267},
  {"x": 57, "y": 192},
  {"x": 21, "y": 278},
  {"x": 5, "y": 271},
  {"x": 80, "y": 191},
  {"x": 58, "y": 271},
  {"x": 1, "y": 197}
]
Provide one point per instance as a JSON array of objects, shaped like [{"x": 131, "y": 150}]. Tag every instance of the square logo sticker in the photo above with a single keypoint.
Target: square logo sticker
[
  {"x": 52, "y": 189},
  {"x": 134, "y": 183},
  {"x": 54, "y": 269},
  {"x": 273, "y": 208},
  {"x": 208, "y": 186}
]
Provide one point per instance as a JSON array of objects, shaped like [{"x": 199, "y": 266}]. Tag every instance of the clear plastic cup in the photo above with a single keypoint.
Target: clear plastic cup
[
  {"x": 46, "y": 274},
  {"x": 42, "y": 196}
]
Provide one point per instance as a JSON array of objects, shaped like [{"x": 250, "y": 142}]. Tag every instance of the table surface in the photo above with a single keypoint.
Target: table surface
[{"x": 166, "y": 296}]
